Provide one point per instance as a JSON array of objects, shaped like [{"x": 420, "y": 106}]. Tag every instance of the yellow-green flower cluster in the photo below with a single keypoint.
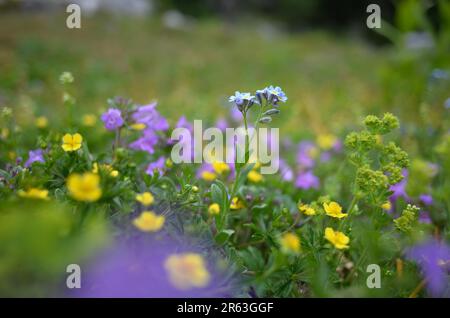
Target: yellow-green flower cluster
[{"x": 408, "y": 219}]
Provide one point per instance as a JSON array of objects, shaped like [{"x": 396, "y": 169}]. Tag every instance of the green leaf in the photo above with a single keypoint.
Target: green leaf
[{"x": 223, "y": 236}]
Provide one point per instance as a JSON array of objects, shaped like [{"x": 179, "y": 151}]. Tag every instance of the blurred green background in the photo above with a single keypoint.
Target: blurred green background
[{"x": 191, "y": 63}]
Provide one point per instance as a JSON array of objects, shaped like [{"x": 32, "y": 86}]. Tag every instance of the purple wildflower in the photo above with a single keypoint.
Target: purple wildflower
[
  {"x": 112, "y": 119},
  {"x": 305, "y": 154},
  {"x": 235, "y": 114},
  {"x": 157, "y": 165},
  {"x": 287, "y": 174},
  {"x": 147, "y": 142},
  {"x": 34, "y": 156},
  {"x": 307, "y": 180},
  {"x": 426, "y": 199},
  {"x": 433, "y": 257},
  {"x": 222, "y": 124},
  {"x": 149, "y": 116},
  {"x": 399, "y": 189}
]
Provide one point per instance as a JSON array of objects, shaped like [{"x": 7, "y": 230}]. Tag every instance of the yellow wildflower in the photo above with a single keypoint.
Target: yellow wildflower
[
  {"x": 306, "y": 209},
  {"x": 334, "y": 210},
  {"x": 338, "y": 239},
  {"x": 195, "y": 189},
  {"x": 220, "y": 167},
  {"x": 72, "y": 142},
  {"x": 386, "y": 206},
  {"x": 34, "y": 193},
  {"x": 290, "y": 243},
  {"x": 209, "y": 176},
  {"x": 145, "y": 198},
  {"x": 326, "y": 141},
  {"x": 169, "y": 163},
  {"x": 254, "y": 176},
  {"x": 138, "y": 126},
  {"x": 149, "y": 222},
  {"x": 84, "y": 187},
  {"x": 4, "y": 133},
  {"x": 41, "y": 122},
  {"x": 214, "y": 209},
  {"x": 113, "y": 173},
  {"x": 187, "y": 270},
  {"x": 89, "y": 120},
  {"x": 236, "y": 204}
]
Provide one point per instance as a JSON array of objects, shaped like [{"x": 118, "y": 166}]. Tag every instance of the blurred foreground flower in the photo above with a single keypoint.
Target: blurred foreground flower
[
  {"x": 433, "y": 258},
  {"x": 34, "y": 193},
  {"x": 149, "y": 222},
  {"x": 84, "y": 187},
  {"x": 145, "y": 198},
  {"x": 150, "y": 268},
  {"x": 187, "y": 271},
  {"x": 290, "y": 243}
]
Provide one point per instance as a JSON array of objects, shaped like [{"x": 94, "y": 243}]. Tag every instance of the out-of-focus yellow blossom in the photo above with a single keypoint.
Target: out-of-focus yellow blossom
[
  {"x": 290, "y": 243},
  {"x": 386, "y": 206},
  {"x": 326, "y": 141},
  {"x": 72, "y": 142},
  {"x": 214, "y": 209},
  {"x": 338, "y": 239},
  {"x": 41, "y": 122},
  {"x": 334, "y": 210},
  {"x": 12, "y": 155},
  {"x": 306, "y": 209},
  {"x": 138, "y": 126},
  {"x": 313, "y": 152},
  {"x": 236, "y": 204},
  {"x": 209, "y": 176},
  {"x": 255, "y": 176},
  {"x": 187, "y": 271},
  {"x": 148, "y": 221},
  {"x": 379, "y": 139},
  {"x": 5, "y": 133},
  {"x": 169, "y": 163},
  {"x": 195, "y": 189},
  {"x": 84, "y": 187},
  {"x": 145, "y": 198},
  {"x": 220, "y": 167},
  {"x": 113, "y": 173},
  {"x": 34, "y": 193},
  {"x": 89, "y": 120}
]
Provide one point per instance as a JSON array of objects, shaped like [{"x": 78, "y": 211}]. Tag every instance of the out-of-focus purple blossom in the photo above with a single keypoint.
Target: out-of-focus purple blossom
[
  {"x": 325, "y": 156},
  {"x": 439, "y": 74},
  {"x": 399, "y": 189},
  {"x": 133, "y": 269},
  {"x": 112, "y": 119},
  {"x": 157, "y": 165},
  {"x": 149, "y": 116},
  {"x": 287, "y": 174},
  {"x": 307, "y": 180},
  {"x": 337, "y": 147},
  {"x": 146, "y": 142},
  {"x": 424, "y": 217},
  {"x": 222, "y": 124},
  {"x": 433, "y": 257},
  {"x": 34, "y": 156},
  {"x": 447, "y": 103},
  {"x": 426, "y": 199},
  {"x": 305, "y": 154},
  {"x": 184, "y": 123}
]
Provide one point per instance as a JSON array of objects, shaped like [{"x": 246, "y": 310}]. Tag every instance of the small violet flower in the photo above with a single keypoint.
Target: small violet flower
[
  {"x": 307, "y": 180},
  {"x": 158, "y": 165},
  {"x": 433, "y": 257},
  {"x": 112, "y": 119},
  {"x": 149, "y": 116},
  {"x": 34, "y": 156}
]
